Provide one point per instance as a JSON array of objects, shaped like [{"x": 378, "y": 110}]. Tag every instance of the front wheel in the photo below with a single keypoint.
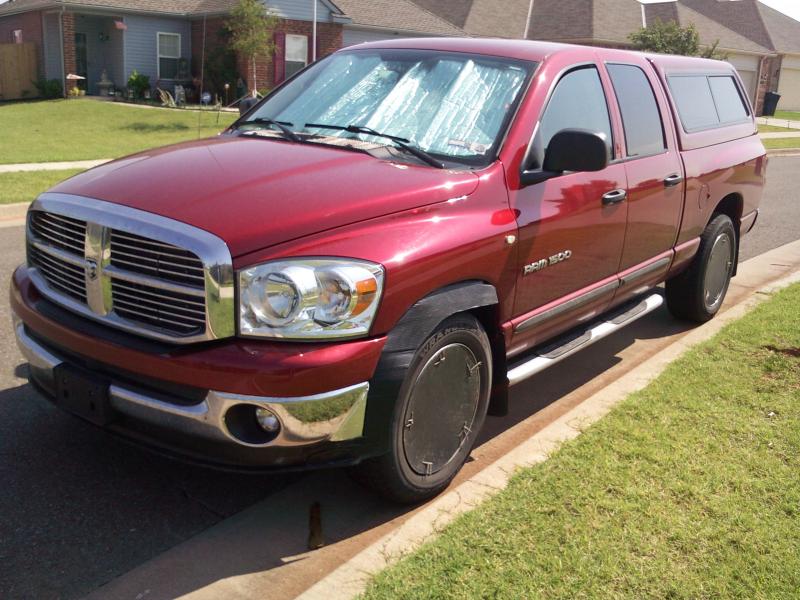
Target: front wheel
[
  {"x": 697, "y": 293},
  {"x": 439, "y": 411}
]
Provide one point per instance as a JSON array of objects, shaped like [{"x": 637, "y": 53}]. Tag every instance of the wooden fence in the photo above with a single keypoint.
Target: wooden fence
[{"x": 18, "y": 70}]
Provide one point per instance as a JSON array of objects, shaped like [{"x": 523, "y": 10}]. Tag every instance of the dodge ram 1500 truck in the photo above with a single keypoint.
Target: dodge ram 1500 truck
[{"x": 358, "y": 269}]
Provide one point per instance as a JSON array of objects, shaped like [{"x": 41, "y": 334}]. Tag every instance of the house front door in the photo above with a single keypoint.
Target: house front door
[{"x": 81, "y": 60}]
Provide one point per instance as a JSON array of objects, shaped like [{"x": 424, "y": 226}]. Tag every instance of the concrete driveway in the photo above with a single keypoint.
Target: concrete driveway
[{"x": 80, "y": 508}]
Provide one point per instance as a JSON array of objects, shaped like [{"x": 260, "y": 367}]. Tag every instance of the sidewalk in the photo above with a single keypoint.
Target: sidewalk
[
  {"x": 53, "y": 166},
  {"x": 778, "y": 122},
  {"x": 779, "y": 134}
]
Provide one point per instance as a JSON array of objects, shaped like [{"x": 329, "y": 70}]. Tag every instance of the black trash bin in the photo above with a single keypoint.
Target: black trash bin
[{"x": 771, "y": 103}]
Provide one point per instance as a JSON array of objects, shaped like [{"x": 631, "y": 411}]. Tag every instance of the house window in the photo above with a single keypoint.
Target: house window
[
  {"x": 169, "y": 53},
  {"x": 296, "y": 53},
  {"x": 16, "y": 36}
]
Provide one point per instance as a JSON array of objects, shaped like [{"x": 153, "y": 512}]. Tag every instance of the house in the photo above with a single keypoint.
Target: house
[
  {"x": 372, "y": 20},
  {"x": 161, "y": 39},
  {"x": 762, "y": 43},
  {"x": 168, "y": 39}
]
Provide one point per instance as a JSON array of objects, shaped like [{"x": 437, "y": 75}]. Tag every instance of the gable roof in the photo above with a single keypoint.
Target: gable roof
[
  {"x": 398, "y": 15},
  {"x": 712, "y": 30},
  {"x": 784, "y": 31},
  {"x": 766, "y": 27},
  {"x": 741, "y": 16},
  {"x": 612, "y": 21}
]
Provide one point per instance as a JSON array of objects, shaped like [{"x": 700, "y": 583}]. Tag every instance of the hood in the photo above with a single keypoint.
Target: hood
[{"x": 257, "y": 192}]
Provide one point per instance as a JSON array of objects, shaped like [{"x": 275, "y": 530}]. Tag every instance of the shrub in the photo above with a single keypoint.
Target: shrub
[
  {"x": 221, "y": 69},
  {"x": 138, "y": 83},
  {"x": 49, "y": 88}
]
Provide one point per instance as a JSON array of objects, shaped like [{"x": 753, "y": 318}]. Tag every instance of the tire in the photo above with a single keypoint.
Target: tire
[
  {"x": 697, "y": 293},
  {"x": 439, "y": 411}
]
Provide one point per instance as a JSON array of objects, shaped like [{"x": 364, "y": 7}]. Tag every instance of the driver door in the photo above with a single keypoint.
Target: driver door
[{"x": 572, "y": 226}]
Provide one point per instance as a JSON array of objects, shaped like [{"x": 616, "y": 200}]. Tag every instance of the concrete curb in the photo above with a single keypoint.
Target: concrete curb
[
  {"x": 13, "y": 212},
  {"x": 351, "y": 578}
]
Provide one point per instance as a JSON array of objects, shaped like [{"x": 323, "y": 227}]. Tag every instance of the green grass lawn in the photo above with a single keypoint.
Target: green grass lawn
[
  {"x": 25, "y": 186},
  {"x": 688, "y": 489},
  {"x": 58, "y": 130},
  {"x": 775, "y": 128},
  {"x": 789, "y": 115},
  {"x": 781, "y": 143}
]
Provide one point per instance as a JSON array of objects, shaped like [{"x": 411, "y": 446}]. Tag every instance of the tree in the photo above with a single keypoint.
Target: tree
[
  {"x": 671, "y": 38},
  {"x": 252, "y": 26}
]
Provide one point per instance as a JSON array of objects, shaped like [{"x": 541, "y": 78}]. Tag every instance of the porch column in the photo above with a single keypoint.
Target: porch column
[{"x": 68, "y": 39}]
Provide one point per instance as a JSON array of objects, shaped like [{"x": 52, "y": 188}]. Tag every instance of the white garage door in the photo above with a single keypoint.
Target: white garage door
[
  {"x": 789, "y": 89},
  {"x": 747, "y": 66},
  {"x": 749, "y": 79}
]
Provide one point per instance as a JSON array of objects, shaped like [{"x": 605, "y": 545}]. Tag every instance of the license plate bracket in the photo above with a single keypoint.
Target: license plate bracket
[{"x": 83, "y": 394}]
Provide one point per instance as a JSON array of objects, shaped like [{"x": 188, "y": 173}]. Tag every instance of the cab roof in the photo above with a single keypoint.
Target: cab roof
[{"x": 539, "y": 51}]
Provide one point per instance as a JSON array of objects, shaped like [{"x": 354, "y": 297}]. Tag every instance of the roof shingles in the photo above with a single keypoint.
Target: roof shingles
[{"x": 398, "y": 15}]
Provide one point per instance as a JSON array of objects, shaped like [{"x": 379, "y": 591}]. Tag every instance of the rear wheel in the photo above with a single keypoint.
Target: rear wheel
[
  {"x": 440, "y": 409},
  {"x": 697, "y": 293}
]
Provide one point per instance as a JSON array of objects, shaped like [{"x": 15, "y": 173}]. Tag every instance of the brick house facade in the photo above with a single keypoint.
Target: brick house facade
[
  {"x": 329, "y": 39},
  {"x": 30, "y": 24},
  {"x": 70, "y": 60}
]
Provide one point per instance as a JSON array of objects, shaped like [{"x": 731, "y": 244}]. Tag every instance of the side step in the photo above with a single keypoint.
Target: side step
[{"x": 550, "y": 355}]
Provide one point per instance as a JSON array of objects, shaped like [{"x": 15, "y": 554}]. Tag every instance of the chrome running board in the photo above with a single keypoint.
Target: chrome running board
[{"x": 554, "y": 353}]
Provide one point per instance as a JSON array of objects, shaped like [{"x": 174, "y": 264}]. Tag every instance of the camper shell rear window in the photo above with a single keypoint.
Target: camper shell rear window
[{"x": 708, "y": 101}]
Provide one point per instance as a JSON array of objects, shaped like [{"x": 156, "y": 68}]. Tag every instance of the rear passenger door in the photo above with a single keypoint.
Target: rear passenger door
[{"x": 654, "y": 172}]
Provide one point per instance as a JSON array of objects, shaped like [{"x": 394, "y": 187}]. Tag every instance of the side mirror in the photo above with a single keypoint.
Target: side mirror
[{"x": 576, "y": 150}]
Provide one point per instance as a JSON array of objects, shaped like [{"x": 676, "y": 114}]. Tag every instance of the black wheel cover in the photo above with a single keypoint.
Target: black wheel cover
[{"x": 442, "y": 408}]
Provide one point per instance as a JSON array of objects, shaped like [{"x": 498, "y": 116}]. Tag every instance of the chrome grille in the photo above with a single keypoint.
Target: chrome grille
[
  {"x": 61, "y": 232},
  {"x": 97, "y": 266},
  {"x": 67, "y": 278},
  {"x": 159, "y": 308},
  {"x": 149, "y": 257}
]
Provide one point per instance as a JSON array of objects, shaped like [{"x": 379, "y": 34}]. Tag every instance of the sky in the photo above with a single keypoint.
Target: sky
[{"x": 790, "y": 7}]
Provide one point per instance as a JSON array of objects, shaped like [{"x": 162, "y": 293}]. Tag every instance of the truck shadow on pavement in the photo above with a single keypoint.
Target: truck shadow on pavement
[{"x": 81, "y": 507}]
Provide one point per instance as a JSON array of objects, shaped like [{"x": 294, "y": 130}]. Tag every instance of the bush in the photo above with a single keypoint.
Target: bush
[
  {"x": 49, "y": 88},
  {"x": 138, "y": 83},
  {"x": 221, "y": 69}
]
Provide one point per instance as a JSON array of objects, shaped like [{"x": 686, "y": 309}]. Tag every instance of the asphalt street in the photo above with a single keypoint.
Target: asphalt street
[{"x": 78, "y": 507}]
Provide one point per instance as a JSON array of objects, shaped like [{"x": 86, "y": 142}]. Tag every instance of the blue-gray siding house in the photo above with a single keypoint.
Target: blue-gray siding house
[{"x": 104, "y": 41}]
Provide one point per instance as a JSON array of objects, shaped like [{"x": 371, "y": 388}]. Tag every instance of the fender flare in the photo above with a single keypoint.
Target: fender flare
[{"x": 421, "y": 319}]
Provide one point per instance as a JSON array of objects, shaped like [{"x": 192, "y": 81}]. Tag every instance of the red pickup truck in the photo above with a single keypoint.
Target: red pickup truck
[{"x": 359, "y": 268}]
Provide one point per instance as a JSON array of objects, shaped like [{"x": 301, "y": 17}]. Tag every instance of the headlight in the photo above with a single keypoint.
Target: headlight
[{"x": 309, "y": 298}]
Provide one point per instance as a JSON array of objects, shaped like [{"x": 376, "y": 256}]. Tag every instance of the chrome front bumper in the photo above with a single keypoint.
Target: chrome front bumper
[{"x": 304, "y": 421}]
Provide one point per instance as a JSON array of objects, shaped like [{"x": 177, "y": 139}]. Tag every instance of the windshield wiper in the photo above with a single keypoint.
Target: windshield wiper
[
  {"x": 283, "y": 126},
  {"x": 401, "y": 142}
]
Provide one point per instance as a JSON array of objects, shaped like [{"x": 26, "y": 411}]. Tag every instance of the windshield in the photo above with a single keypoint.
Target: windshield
[{"x": 451, "y": 105}]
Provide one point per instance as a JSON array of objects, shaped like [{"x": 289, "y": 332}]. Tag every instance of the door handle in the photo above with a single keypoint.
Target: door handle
[
  {"x": 673, "y": 180},
  {"x": 614, "y": 197}
]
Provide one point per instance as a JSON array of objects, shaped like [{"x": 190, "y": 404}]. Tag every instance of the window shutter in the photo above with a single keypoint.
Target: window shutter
[{"x": 279, "y": 57}]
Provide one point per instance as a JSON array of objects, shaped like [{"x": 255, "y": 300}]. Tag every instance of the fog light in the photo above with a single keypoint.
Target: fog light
[{"x": 267, "y": 420}]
